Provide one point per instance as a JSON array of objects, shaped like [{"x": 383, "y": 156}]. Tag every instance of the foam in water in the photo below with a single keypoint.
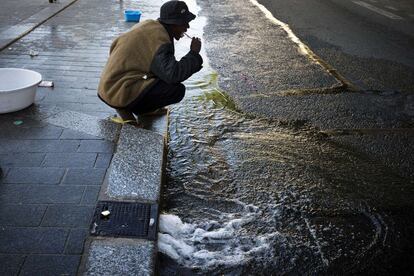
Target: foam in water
[{"x": 211, "y": 243}]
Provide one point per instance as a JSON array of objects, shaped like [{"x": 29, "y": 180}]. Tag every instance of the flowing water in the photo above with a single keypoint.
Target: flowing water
[{"x": 250, "y": 196}]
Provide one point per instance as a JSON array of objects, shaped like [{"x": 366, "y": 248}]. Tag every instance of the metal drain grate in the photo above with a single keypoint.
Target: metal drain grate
[{"x": 125, "y": 219}]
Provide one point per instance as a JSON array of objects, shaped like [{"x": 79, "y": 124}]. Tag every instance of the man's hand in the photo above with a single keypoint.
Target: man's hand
[{"x": 195, "y": 45}]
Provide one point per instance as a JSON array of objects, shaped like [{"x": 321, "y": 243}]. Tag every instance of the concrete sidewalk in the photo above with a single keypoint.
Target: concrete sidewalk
[
  {"x": 47, "y": 195},
  {"x": 55, "y": 154}
]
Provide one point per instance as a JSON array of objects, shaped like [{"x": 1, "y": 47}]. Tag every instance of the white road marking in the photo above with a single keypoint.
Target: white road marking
[
  {"x": 303, "y": 49},
  {"x": 378, "y": 10}
]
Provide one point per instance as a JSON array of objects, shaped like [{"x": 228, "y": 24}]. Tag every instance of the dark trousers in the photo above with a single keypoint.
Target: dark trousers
[{"x": 159, "y": 95}]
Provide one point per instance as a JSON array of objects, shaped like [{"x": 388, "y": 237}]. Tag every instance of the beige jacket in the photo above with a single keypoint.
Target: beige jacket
[{"x": 127, "y": 72}]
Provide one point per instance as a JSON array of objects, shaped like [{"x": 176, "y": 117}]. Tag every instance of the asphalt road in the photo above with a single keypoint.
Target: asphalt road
[{"x": 370, "y": 42}]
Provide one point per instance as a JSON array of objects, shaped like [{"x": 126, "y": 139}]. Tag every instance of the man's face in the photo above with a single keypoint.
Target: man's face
[{"x": 179, "y": 30}]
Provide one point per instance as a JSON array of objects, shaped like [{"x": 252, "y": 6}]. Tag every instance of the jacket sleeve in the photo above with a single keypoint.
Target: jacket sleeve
[{"x": 166, "y": 67}]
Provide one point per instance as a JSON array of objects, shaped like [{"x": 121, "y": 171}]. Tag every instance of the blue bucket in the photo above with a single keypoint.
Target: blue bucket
[{"x": 132, "y": 15}]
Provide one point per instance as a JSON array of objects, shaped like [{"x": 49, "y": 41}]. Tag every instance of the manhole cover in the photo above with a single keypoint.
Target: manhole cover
[{"x": 125, "y": 219}]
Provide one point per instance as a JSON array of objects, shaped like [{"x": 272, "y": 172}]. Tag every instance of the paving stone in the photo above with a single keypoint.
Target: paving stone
[
  {"x": 12, "y": 193},
  {"x": 87, "y": 124},
  {"x": 76, "y": 240},
  {"x": 64, "y": 215},
  {"x": 39, "y": 14},
  {"x": 47, "y": 194},
  {"x": 136, "y": 169},
  {"x": 8, "y": 121},
  {"x": 68, "y": 95},
  {"x": 7, "y": 146},
  {"x": 103, "y": 160},
  {"x": 91, "y": 195},
  {"x": 69, "y": 160},
  {"x": 21, "y": 159},
  {"x": 21, "y": 215},
  {"x": 32, "y": 240},
  {"x": 119, "y": 257},
  {"x": 37, "y": 113},
  {"x": 101, "y": 146},
  {"x": 52, "y": 265},
  {"x": 85, "y": 108},
  {"x": 34, "y": 175},
  {"x": 55, "y": 146},
  {"x": 103, "y": 115},
  {"x": 3, "y": 172},
  {"x": 70, "y": 134},
  {"x": 48, "y": 132},
  {"x": 91, "y": 176},
  {"x": 10, "y": 264}
]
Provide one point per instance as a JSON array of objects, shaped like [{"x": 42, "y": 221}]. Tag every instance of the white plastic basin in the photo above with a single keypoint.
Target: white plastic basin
[{"x": 17, "y": 88}]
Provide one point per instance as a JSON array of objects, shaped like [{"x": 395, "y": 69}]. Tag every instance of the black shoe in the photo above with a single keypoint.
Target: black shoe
[{"x": 156, "y": 112}]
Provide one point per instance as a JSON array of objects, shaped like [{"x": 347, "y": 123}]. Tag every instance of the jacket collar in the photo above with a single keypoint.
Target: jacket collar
[{"x": 167, "y": 28}]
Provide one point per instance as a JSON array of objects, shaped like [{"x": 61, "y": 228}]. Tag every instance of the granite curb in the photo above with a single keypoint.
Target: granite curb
[
  {"x": 136, "y": 174},
  {"x": 118, "y": 256}
]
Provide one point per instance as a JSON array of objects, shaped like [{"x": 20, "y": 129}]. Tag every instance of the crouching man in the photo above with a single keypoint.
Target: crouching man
[{"x": 142, "y": 75}]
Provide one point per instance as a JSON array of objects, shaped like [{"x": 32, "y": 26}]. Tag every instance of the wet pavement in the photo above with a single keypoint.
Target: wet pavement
[
  {"x": 314, "y": 178},
  {"x": 307, "y": 181},
  {"x": 372, "y": 49},
  {"x": 267, "y": 76},
  {"x": 55, "y": 154},
  {"x": 51, "y": 181},
  {"x": 18, "y": 19},
  {"x": 261, "y": 197}
]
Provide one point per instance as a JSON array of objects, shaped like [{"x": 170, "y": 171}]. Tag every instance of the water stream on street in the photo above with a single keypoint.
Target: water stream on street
[
  {"x": 245, "y": 195},
  {"x": 250, "y": 196}
]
